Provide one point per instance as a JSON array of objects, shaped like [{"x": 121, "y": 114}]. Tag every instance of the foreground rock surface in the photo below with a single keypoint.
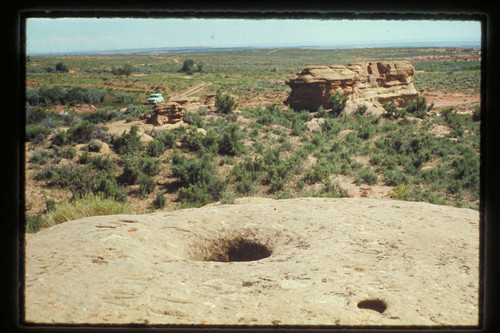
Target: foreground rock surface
[
  {"x": 364, "y": 82},
  {"x": 321, "y": 262}
]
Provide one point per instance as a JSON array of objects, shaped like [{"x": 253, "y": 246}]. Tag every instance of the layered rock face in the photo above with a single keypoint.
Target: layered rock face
[
  {"x": 172, "y": 111},
  {"x": 373, "y": 82}
]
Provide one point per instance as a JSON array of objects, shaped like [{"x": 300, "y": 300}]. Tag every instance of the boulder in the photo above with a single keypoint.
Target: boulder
[
  {"x": 374, "y": 82},
  {"x": 304, "y": 261}
]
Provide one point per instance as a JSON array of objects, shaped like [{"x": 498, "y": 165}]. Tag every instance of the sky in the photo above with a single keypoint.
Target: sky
[{"x": 45, "y": 35}]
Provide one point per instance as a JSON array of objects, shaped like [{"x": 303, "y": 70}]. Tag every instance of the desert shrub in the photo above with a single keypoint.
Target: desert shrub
[
  {"x": 134, "y": 112},
  {"x": 197, "y": 179},
  {"x": 170, "y": 138},
  {"x": 102, "y": 163},
  {"x": 376, "y": 159},
  {"x": 67, "y": 153},
  {"x": 60, "y": 138},
  {"x": 136, "y": 166},
  {"x": 245, "y": 174},
  {"x": 368, "y": 176},
  {"x": 41, "y": 156},
  {"x": 193, "y": 119},
  {"x": 366, "y": 130},
  {"x": 393, "y": 111},
  {"x": 230, "y": 143},
  {"x": 321, "y": 112},
  {"x": 121, "y": 97},
  {"x": 128, "y": 143},
  {"x": 399, "y": 192},
  {"x": 94, "y": 146},
  {"x": 80, "y": 133},
  {"x": 320, "y": 171},
  {"x": 361, "y": 110},
  {"x": 224, "y": 103},
  {"x": 418, "y": 107},
  {"x": 155, "y": 148},
  {"x": 36, "y": 134},
  {"x": 331, "y": 190},
  {"x": 159, "y": 200},
  {"x": 97, "y": 117},
  {"x": 146, "y": 183},
  {"x": 74, "y": 95},
  {"x": 84, "y": 206},
  {"x": 108, "y": 187},
  {"x": 394, "y": 178},
  {"x": 34, "y": 115},
  {"x": 331, "y": 127},
  {"x": 466, "y": 170},
  {"x": 337, "y": 102},
  {"x": 278, "y": 170},
  {"x": 33, "y": 223}
]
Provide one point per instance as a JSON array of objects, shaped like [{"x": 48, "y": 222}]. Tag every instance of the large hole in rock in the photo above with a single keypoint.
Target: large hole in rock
[
  {"x": 244, "y": 250},
  {"x": 234, "y": 250},
  {"x": 373, "y": 304}
]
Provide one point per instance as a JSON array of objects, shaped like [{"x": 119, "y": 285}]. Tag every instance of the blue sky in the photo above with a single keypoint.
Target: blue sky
[{"x": 92, "y": 34}]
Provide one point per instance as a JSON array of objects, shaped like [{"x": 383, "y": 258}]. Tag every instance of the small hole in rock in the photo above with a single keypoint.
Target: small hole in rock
[{"x": 373, "y": 304}]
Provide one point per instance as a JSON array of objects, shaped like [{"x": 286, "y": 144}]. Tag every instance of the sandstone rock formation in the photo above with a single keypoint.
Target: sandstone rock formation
[
  {"x": 305, "y": 261},
  {"x": 373, "y": 82},
  {"x": 172, "y": 111}
]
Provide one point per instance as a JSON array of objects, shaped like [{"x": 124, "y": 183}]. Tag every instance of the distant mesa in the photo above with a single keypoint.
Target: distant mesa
[{"x": 373, "y": 82}]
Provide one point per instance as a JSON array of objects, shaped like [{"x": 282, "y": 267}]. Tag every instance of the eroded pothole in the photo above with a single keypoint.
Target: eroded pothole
[
  {"x": 233, "y": 250},
  {"x": 373, "y": 304}
]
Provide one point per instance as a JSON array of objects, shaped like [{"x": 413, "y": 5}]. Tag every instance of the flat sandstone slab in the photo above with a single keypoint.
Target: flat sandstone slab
[{"x": 305, "y": 261}]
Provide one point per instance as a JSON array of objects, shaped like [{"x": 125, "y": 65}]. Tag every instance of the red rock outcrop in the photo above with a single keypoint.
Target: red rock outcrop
[{"x": 374, "y": 82}]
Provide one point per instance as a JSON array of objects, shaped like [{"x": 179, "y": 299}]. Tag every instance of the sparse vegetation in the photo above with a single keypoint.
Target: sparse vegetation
[{"x": 253, "y": 145}]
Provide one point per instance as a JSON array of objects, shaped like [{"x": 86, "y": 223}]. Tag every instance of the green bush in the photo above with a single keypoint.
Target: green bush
[
  {"x": 146, "y": 183},
  {"x": 361, "y": 110},
  {"x": 245, "y": 174},
  {"x": 41, "y": 156},
  {"x": 34, "y": 223},
  {"x": 155, "y": 148},
  {"x": 128, "y": 143},
  {"x": 80, "y": 133},
  {"x": 224, "y": 103},
  {"x": 368, "y": 176},
  {"x": 94, "y": 146},
  {"x": 337, "y": 102},
  {"x": 197, "y": 179},
  {"x": 418, "y": 107},
  {"x": 230, "y": 143},
  {"x": 159, "y": 201},
  {"x": 36, "y": 134}
]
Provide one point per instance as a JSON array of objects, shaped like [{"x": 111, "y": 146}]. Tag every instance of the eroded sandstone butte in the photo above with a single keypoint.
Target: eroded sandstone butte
[
  {"x": 304, "y": 261},
  {"x": 372, "y": 82}
]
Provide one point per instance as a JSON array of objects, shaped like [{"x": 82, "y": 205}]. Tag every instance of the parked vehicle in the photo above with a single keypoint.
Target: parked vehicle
[{"x": 155, "y": 98}]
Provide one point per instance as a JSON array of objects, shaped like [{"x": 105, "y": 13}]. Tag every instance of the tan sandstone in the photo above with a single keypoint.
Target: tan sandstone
[
  {"x": 372, "y": 82},
  {"x": 305, "y": 261}
]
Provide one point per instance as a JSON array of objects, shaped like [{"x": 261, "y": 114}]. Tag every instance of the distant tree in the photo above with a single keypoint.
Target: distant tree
[
  {"x": 200, "y": 66},
  {"x": 187, "y": 65},
  {"x": 61, "y": 67},
  {"x": 123, "y": 70}
]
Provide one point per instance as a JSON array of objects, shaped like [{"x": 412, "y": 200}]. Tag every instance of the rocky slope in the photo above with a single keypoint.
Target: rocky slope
[
  {"x": 305, "y": 261},
  {"x": 372, "y": 82}
]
